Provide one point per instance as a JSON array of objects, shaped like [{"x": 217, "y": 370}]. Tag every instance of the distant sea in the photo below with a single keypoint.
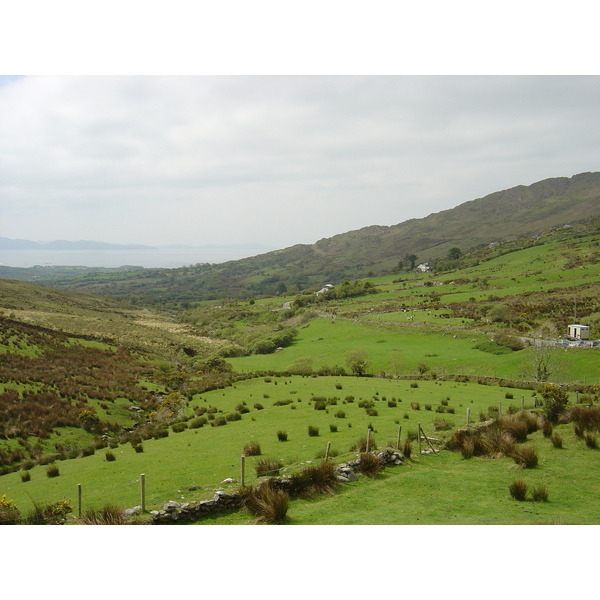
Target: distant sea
[{"x": 167, "y": 258}]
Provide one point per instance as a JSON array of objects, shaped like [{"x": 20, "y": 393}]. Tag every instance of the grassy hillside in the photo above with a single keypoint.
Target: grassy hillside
[
  {"x": 104, "y": 390},
  {"x": 519, "y": 212}
]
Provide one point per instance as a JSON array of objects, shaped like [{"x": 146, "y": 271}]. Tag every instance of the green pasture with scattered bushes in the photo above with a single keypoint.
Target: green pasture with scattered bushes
[{"x": 441, "y": 488}]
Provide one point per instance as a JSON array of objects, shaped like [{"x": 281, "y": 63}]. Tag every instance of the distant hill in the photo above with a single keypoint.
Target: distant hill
[{"x": 500, "y": 216}]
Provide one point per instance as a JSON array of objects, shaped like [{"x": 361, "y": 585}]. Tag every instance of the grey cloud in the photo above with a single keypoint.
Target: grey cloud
[{"x": 278, "y": 160}]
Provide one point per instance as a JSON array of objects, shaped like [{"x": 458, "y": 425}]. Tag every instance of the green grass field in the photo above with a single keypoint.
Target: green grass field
[{"x": 441, "y": 489}]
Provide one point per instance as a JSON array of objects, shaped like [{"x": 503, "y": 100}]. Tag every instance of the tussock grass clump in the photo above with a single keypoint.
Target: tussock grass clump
[
  {"x": 516, "y": 427},
  {"x": 266, "y": 503},
  {"x": 369, "y": 464},
  {"x": 540, "y": 493},
  {"x": 110, "y": 456},
  {"x": 591, "y": 440},
  {"x": 198, "y": 422},
  {"x": 361, "y": 445},
  {"x": 442, "y": 425},
  {"x": 525, "y": 457},
  {"x": 333, "y": 428},
  {"x": 407, "y": 449},
  {"x": 268, "y": 466},
  {"x": 282, "y": 436},
  {"x": 258, "y": 406},
  {"x": 587, "y": 418},
  {"x": 556, "y": 440},
  {"x": 179, "y": 427},
  {"x": 53, "y": 471},
  {"x": 313, "y": 480},
  {"x": 518, "y": 490},
  {"x": 313, "y": 431},
  {"x": 547, "y": 428},
  {"x": 340, "y": 414},
  {"x": 26, "y": 476},
  {"x": 109, "y": 514},
  {"x": 251, "y": 449}
]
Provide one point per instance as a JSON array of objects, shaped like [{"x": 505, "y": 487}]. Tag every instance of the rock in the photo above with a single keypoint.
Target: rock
[{"x": 132, "y": 511}]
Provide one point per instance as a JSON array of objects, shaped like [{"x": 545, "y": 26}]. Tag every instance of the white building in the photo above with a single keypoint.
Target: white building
[{"x": 579, "y": 332}]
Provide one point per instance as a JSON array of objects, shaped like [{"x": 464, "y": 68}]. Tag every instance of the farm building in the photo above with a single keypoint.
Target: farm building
[
  {"x": 579, "y": 332},
  {"x": 325, "y": 288}
]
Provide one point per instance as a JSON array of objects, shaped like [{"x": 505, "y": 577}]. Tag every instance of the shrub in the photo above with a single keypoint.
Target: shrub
[
  {"x": 88, "y": 451},
  {"x": 251, "y": 449},
  {"x": 258, "y": 406},
  {"x": 282, "y": 436},
  {"x": 198, "y": 422},
  {"x": 110, "y": 456},
  {"x": 340, "y": 414},
  {"x": 179, "y": 427},
  {"x": 235, "y": 416},
  {"x": 338, "y": 386},
  {"x": 266, "y": 503},
  {"x": 414, "y": 384},
  {"x": 52, "y": 471},
  {"x": 50, "y": 514},
  {"x": 392, "y": 403},
  {"x": 372, "y": 412},
  {"x": 556, "y": 440},
  {"x": 320, "y": 405},
  {"x": 313, "y": 431},
  {"x": 26, "y": 476},
  {"x": 9, "y": 513},
  {"x": 242, "y": 409},
  {"x": 591, "y": 440},
  {"x": 518, "y": 489},
  {"x": 369, "y": 464},
  {"x": 540, "y": 493},
  {"x": 219, "y": 422},
  {"x": 525, "y": 456},
  {"x": 349, "y": 399},
  {"x": 107, "y": 515},
  {"x": 268, "y": 466}
]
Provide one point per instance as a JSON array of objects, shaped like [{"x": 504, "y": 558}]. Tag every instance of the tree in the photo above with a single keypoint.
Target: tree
[
  {"x": 454, "y": 253},
  {"x": 356, "y": 361},
  {"x": 412, "y": 260},
  {"x": 544, "y": 362}
]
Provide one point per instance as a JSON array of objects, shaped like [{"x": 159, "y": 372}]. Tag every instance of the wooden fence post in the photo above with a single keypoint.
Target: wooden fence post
[
  {"x": 79, "y": 500},
  {"x": 243, "y": 470},
  {"x": 327, "y": 451},
  {"x": 368, "y": 439},
  {"x": 398, "y": 437},
  {"x": 419, "y": 436},
  {"x": 522, "y": 402},
  {"x": 468, "y": 415},
  {"x": 143, "y": 491},
  {"x": 499, "y": 409}
]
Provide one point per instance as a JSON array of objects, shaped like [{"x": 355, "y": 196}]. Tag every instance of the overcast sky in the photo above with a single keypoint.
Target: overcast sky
[{"x": 276, "y": 160}]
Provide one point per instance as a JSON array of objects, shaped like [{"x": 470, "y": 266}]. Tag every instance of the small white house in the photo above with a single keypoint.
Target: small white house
[
  {"x": 579, "y": 332},
  {"x": 423, "y": 268},
  {"x": 325, "y": 288}
]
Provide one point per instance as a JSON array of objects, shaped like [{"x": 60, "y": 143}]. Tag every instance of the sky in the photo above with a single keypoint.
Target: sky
[{"x": 276, "y": 160}]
